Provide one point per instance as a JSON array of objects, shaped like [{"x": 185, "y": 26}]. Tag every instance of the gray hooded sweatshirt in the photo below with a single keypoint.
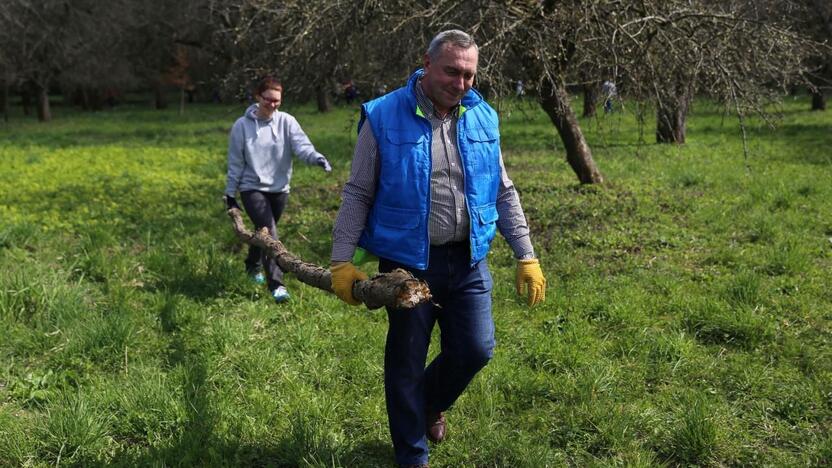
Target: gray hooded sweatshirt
[{"x": 260, "y": 152}]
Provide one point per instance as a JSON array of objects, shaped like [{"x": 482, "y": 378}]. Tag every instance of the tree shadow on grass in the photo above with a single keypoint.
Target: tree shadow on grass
[
  {"x": 805, "y": 143},
  {"x": 207, "y": 452},
  {"x": 200, "y": 286},
  {"x": 196, "y": 436},
  {"x": 204, "y": 440},
  {"x": 372, "y": 454},
  {"x": 200, "y": 442},
  {"x": 197, "y": 430}
]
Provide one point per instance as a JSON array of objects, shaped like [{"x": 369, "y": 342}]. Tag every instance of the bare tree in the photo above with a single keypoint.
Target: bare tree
[
  {"x": 740, "y": 52},
  {"x": 100, "y": 66},
  {"x": 7, "y": 80},
  {"x": 161, "y": 41},
  {"x": 816, "y": 21},
  {"x": 667, "y": 51},
  {"x": 743, "y": 53},
  {"x": 49, "y": 42},
  {"x": 34, "y": 55},
  {"x": 310, "y": 44},
  {"x": 591, "y": 94},
  {"x": 383, "y": 42}
]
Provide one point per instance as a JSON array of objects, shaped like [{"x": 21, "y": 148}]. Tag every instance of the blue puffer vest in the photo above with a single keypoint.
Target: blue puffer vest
[{"x": 397, "y": 226}]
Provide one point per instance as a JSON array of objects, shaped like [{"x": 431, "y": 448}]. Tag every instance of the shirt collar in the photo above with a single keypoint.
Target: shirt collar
[{"x": 424, "y": 102}]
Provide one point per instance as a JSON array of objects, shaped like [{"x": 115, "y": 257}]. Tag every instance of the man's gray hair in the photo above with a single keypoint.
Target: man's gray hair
[{"x": 454, "y": 37}]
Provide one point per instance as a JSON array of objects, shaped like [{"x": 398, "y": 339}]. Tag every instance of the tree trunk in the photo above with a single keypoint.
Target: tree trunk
[
  {"x": 554, "y": 100},
  {"x": 398, "y": 289},
  {"x": 181, "y": 101},
  {"x": 671, "y": 119},
  {"x": 44, "y": 112},
  {"x": 95, "y": 101},
  {"x": 322, "y": 96},
  {"x": 26, "y": 99},
  {"x": 590, "y": 99},
  {"x": 83, "y": 98},
  {"x": 159, "y": 101},
  {"x": 818, "y": 100}
]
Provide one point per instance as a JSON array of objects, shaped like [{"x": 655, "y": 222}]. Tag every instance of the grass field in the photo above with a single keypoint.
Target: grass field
[{"x": 688, "y": 317}]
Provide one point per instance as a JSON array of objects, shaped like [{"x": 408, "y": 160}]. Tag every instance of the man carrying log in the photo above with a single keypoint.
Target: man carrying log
[{"x": 427, "y": 192}]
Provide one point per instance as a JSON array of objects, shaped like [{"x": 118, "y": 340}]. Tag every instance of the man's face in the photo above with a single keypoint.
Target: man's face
[{"x": 449, "y": 75}]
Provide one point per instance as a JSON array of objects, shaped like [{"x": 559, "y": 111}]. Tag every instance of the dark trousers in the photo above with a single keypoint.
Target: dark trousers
[
  {"x": 462, "y": 297},
  {"x": 264, "y": 210},
  {"x": 608, "y": 105}
]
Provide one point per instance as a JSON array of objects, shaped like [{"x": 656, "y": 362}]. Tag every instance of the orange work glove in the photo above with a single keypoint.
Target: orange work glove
[
  {"x": 344, "y": 275},
  {"x": 530, "y": 277}
]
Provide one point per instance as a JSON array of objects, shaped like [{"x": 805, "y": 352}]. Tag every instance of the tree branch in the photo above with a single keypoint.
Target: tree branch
[{"x": 398, "y": 289}]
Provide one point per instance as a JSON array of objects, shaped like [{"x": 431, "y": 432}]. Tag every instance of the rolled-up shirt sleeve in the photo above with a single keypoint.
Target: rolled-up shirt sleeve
[{"x": 357, "y": 197}]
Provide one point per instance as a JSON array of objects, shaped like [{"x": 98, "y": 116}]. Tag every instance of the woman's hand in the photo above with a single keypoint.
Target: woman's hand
[{"x": 324, "y": 164}]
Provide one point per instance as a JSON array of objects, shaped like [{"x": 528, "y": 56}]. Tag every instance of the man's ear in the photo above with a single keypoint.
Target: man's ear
[{"x": 426, "y": 62}]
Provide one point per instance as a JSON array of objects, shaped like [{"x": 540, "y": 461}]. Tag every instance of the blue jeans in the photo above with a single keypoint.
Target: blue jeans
[
  {"x": 462, "y": 307},
  {"x": 608, "y": 105}
]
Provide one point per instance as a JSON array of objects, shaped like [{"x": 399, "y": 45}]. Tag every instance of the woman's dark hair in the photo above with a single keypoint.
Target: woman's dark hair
[{"x": 266, "y": 83}]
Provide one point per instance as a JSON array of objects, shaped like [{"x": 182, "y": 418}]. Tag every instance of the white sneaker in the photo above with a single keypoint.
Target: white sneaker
[{"x": 280, "y": 294}]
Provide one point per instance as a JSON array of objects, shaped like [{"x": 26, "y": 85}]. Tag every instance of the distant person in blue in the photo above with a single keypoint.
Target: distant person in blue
[
  {"x": 427, "y": 193},
  {"x": 260, "y": 151},
  {"x": 610, "y": 92}
]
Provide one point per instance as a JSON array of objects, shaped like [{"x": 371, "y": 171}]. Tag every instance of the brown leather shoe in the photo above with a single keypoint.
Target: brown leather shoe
[{"x": 435, "y": 422}]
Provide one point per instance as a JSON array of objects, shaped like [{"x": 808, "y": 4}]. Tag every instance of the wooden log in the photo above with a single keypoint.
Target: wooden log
[{"x": 398, "y": 289}]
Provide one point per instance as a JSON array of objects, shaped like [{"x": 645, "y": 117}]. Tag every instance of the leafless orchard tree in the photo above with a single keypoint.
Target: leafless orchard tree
[
  {"x": 816, "y": 21},
  {"x": 89, "y": 47},
  {"x": 7, "y": 79},
  {"x": 50, "y": 42},
  {"x": 33, "y": 51},
  {"x": 665, "y": 52},
  {"x": 310, "y": 44},
  {"x": 741, "y": 52},
  {"x": 164, "y": 41},
  {"x": 383, "y": 42},
  {"x": 97, "y": 44}
]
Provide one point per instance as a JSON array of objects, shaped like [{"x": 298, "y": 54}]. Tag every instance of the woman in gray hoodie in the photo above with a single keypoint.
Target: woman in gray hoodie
[{"x": 260, "y": 150}]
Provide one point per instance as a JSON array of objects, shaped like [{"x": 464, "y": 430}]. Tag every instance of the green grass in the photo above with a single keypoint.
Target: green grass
[{"x": 687, "y": 319}]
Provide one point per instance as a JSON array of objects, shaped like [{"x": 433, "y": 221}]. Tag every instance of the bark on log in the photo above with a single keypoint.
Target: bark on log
[{"x": 398, "y": 289}]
